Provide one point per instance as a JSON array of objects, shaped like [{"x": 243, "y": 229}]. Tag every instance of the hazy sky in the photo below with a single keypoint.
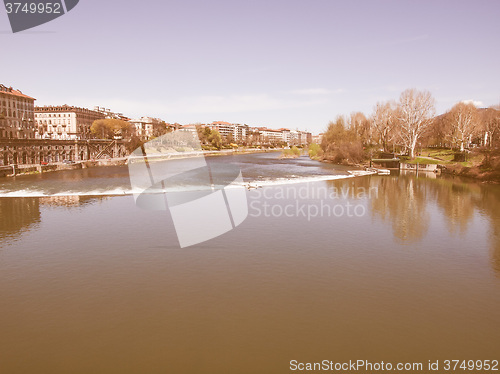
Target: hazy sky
[{"x": 295, "y": 64}]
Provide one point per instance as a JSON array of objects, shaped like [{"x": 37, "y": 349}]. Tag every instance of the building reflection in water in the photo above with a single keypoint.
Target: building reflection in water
[
  {"x": 22, "y": 214},
  {"x": 18, "y": 215},
  {"x": 71, "y": 201}
]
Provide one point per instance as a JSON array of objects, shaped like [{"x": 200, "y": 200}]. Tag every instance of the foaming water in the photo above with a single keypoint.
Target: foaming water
[{"x": 258, "y": 170}]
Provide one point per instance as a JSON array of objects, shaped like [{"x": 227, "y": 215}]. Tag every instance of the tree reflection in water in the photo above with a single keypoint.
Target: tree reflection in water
[
  {"x": 489, "y": 203},
  {"x": 403, "y": 201}
]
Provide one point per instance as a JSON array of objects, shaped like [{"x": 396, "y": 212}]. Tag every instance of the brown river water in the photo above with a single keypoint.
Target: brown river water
[{"x": 400, "y": 269}]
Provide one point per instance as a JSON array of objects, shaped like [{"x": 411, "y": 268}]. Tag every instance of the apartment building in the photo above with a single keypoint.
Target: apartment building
[
  {"x": 65, "y": 122},
  {"x": 17, "y": 119},
  {"x": 237, "y": 131},
  {"x": 148, "y": 127}
]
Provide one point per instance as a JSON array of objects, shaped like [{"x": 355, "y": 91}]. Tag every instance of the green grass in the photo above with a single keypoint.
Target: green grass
[
  {"x": 442, "y": 154},
  {"x": 445, "y": 156},
  {"x": 291, "y": 152},
  {"x": 423, "y": 161}
]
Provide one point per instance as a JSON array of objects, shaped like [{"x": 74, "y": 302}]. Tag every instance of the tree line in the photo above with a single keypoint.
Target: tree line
[{"x": 408, "y": 124}]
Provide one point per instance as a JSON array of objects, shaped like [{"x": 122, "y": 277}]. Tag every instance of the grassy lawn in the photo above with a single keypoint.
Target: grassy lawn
[
  {"x": 442, "y": 154},
  {"x": 420, "y": 160}
]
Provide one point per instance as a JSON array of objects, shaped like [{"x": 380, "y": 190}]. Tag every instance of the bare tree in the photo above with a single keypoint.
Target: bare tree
[
  {"x": 382, "y": 120},
  {"x": 414, "y": 114},
  {"x": 464, "y": 122},
  {"x": 361, "y": 126},
  {"x": 490, "y": 120},
  {"x": 438, "y": 132}
]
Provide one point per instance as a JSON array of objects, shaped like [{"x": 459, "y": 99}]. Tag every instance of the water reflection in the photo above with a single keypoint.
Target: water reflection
[
  {"x": 71, "y": 201},
  {"x": 22, "y": 214},
  {"x": 489, "y": 203},
  {"x": 18, "y": 215},
  {"x": 456, "y": 200},
  {"x": 407, "y": 202},
  {"x": 402, "y": 201}
]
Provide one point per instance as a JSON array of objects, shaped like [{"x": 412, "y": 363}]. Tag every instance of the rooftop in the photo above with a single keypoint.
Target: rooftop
[
  {"x": 14, "y": 92},
  {"x": 63, "y": 108}
]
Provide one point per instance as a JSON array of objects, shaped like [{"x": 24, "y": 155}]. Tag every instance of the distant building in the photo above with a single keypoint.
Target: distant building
[
  {"x": 148, "y": 127},
  {"x": 109, "y": 114},
  {"x": 240, "y": 132},
  {"x": 285, "y": 135},
  {"x": 189, "y": 128},
  {"x": 317, "y": 138},
  {"x": 174, "y": 126},
  {"x": 237, "y": 131},
  {"x": 270, "y": 135},
  {"x": 17, "y": 120},
  {"x": 298, "y": 137},
  {"x": 65, "y": 122},
  {"x": 305, "y": 138}
]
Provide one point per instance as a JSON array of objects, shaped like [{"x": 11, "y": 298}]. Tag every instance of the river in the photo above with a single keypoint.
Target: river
[{"x": 399, "y": 268}]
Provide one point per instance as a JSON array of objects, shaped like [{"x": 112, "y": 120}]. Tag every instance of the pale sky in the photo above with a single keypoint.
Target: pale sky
[{"x": 295, "y": 64}]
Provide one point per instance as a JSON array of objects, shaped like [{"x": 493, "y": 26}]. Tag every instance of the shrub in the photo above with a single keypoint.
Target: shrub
[
  {"x": 342, "y": 145},
  {"x": 315, "y": 151},
  {"x": 291, "y": 152}
]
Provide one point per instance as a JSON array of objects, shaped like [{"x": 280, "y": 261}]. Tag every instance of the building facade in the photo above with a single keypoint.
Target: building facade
[
  {"x": 17, "y": 119},
  {"x": 270, "y": 136},
  {"x": 226, "y": 129},
  {"x": 109, "y": 114},
  {"x": 317, "y": 138},
  {"x": 65, "y": 122},
  {"x": 148, "y": 127}
]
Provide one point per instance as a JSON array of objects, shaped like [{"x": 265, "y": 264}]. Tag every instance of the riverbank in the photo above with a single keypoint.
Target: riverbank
[
  {"x": 349, "y": 164},
  {"x": 476, "y": 172},
  {"x": 479, "y": 166}
]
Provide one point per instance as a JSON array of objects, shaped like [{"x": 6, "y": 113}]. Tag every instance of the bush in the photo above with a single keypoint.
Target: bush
[
  {"x": 342, "y": 145},
  {"x": 350, "y": 153},
  {"x": 460, "y": 157},
  {"x": 291, "y": 152},
  {"x": 315, "y": 151}
]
